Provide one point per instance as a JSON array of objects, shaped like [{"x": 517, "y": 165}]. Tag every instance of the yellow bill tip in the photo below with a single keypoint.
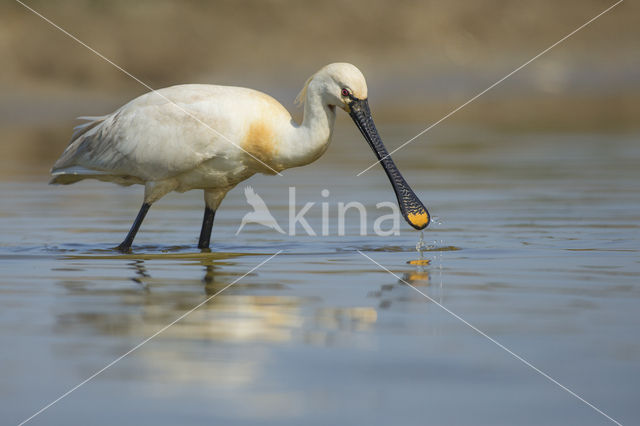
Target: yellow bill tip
[{"x": 418, "y": 220}]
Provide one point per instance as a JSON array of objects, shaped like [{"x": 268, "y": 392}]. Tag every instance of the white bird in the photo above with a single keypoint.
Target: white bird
[
  {"x": 260, "y": 213},
  {"x": 211, "y": 137}
]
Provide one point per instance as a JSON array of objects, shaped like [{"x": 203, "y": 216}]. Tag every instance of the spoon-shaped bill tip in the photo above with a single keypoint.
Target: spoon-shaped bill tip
[{"x": 419, "y": 220}]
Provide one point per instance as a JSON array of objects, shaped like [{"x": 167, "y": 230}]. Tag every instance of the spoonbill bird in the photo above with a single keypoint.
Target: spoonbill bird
[{"x": 208, "y": 137}]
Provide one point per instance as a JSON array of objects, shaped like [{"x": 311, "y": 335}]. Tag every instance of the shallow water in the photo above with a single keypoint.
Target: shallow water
[{"x": 537, "y": 245}]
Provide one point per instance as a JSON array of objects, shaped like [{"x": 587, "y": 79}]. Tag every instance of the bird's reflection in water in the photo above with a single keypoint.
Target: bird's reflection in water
[
  {"x": 259, "y": 308},
  {"x": 420, "y": 277},
  {"x": 401, "y": 293},
  {"x": 253, "y": 309},
  {"x": 141, "y": 273},
  {"x": 209, "y": 274},
  {"x": 143, "y": 277},
  {"x": 110, "y": 307}
]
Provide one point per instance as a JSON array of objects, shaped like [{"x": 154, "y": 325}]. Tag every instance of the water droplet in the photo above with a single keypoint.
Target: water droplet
[{"x": 421, "y": 246}]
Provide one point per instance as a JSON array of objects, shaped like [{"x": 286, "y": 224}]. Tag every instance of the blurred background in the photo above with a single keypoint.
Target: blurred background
[{"x": 421, "y": 58}]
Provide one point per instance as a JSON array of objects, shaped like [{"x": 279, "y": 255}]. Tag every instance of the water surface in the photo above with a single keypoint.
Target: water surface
[{"x": 537, "y": 245}]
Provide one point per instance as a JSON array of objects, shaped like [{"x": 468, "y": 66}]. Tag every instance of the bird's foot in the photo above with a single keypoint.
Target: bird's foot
[{"x": 123, "y": 248}]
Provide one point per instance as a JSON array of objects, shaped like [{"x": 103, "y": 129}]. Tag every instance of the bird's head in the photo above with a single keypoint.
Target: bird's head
[
  {"x": 343, "y": 85},
  {"x": 338, "y": 84}
]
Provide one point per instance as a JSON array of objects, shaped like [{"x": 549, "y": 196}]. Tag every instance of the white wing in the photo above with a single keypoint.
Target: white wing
[{"x": 160, "y": 134}]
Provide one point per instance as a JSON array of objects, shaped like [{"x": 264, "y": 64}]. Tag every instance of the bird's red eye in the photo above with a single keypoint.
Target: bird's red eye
[{"x": 345, "y": 92}]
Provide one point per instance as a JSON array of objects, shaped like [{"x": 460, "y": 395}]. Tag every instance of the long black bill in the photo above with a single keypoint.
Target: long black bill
[{"x": 414, "y": 212}]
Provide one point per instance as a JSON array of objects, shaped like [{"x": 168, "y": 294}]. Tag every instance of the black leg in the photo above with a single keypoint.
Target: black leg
[
  {"x": 207, "y": 224},
  {"x": 126, "y": 244}
]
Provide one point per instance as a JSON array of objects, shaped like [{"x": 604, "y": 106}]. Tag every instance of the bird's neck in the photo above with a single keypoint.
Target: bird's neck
[{"x": 310, "y": 139}]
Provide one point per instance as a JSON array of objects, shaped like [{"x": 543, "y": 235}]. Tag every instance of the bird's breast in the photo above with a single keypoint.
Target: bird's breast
[{"x": 261, "y": 146}]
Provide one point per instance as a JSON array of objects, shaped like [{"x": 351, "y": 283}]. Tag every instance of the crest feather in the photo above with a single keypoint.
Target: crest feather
[{"x": 303, "y": 93}]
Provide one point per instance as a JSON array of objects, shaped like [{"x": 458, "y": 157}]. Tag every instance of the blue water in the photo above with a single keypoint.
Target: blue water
[{"x": 538, "y": 247}]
